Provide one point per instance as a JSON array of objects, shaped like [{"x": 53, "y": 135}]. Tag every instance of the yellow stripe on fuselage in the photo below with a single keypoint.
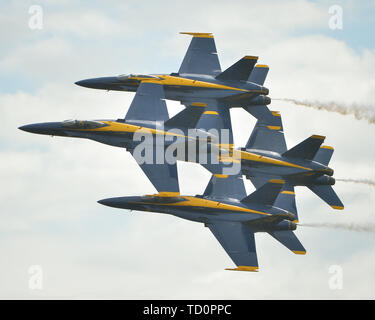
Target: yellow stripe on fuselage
[
  {"x": 204, "y": 203},
  {"x": 245, "y": 155},
  {"x": 166, "y": 80},
  {"x": 113, "y": 126},
  {"x": 118, "y": 127}
]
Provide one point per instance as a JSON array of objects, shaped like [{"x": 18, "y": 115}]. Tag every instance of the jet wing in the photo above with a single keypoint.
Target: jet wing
[
  {"x": 268, "y": 137},
  {"x": 225, "y": 186},
  {"x": 163, "y": 176},
  {"x": 148, "y": 104},
  {"x": 239, "y": 243},
  {"x": 216, "y": 120},
  {"x": 259, "y": 181},
  {"x": 201, "y": 56}
]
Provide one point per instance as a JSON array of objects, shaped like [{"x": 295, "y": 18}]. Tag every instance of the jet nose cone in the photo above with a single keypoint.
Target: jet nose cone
[
  {"x": 28, "y": 128},
  {"x": 82, "y": 83},
  {"x": 121, "y": 202},
  {"x": 111, "y": 202},
  {"x": 32, "y": 128},
  {"x": 105, "y": 202},
  {"x": 105, "y": 83},
  {"x": 50, "y": 128}
]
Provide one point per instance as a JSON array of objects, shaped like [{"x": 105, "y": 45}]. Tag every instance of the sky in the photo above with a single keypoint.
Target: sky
[{"x": 51, "y": 225}]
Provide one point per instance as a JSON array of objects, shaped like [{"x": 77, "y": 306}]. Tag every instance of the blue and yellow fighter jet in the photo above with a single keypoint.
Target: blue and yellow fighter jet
[
  {"x": 147, "y": 116},
  {"x": 266, "y": 156},
  {"x": 200, "y": 77},
  {"x": 231, "y": 216}
]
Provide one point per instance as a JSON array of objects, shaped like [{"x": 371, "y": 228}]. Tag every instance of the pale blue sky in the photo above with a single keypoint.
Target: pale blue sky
[
  {"x": 116, "y": 49},
  {"x": 50, "y": 185}
]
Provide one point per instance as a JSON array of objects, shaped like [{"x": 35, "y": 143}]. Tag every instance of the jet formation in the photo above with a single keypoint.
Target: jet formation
[{"x": 202, "y": 133}]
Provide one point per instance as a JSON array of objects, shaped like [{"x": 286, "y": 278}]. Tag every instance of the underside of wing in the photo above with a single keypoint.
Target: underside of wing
[
  {"x": 162, "y": 175},
  {"x": 201, "y": 56},
  {"x": 239, "y": 243},
  {"x": 148, "y": 104},
  {"x": 225, "y": 186}
]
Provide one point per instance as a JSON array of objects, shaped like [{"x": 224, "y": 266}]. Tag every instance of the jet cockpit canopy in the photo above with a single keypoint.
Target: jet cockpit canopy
[
  {"x": 82, "y": 124},
  {"x": 124, "y": 77}
]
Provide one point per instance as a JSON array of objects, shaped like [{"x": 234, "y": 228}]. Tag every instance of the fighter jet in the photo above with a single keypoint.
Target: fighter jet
[
  {"x": 147, "y": 117},
  {"x": 200, "y": 78},
  {"x": 266, "y": 156},
  {"x": 230, "y": 215}
]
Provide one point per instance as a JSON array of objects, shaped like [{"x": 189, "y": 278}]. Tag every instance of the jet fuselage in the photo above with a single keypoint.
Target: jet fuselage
[
  {"x": 205, "y": 209},
  {"x": 253, "y": 162},
  {"x": 295, "y": 171},
  {"x": 187, "y": 87},
  {"x": 111, "y": 132}
]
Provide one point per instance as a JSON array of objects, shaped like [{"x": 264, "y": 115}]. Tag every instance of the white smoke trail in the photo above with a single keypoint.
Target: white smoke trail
[
  {"x": 360, "y": 112},
  {"x": 343, "y": 226},
  {"x": 362, "y": 181}
]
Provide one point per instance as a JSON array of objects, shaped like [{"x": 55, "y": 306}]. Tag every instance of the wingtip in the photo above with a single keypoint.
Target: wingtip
[
  {"x": 299, "y": 252},
  {"x": 338, "y": 207},
  {"x": 244, "y": 268}
]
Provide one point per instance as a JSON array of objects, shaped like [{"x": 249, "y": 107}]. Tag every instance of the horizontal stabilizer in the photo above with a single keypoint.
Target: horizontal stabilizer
[
  {"x": 324, "y": 155},
  {"x": 262, "y": 112},
  {"x": 266, "y": 194},
  {"x": 201, "y": 56},
  {"x": 187, "y": 118},
  {"x": 241, "y": 70},
  {"x": 286, "y": 200},
  {"x": 268, "y": 134},
  {"x": 289, "y": 240},
  {"x": 307, "y": 149},
  {"x": 225, "y": 186},
  {"x": 327, "y": 194},
  {"x": 239, "y": 243},
  {"x": 259, "y": 74}
]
